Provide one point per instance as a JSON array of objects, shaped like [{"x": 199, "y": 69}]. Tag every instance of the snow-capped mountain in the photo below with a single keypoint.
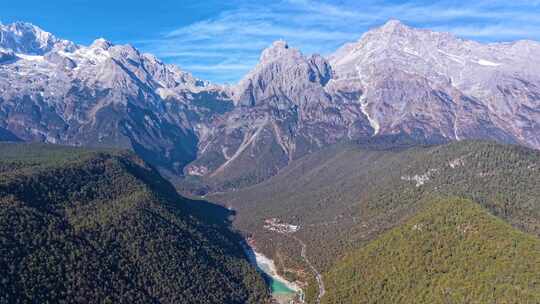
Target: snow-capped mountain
[
  {"x": 436, "y": 84},
  {"x": 101, "y": 95},
  {"x": 29, "y": 39},
  {"x": 394, "y": 80}
]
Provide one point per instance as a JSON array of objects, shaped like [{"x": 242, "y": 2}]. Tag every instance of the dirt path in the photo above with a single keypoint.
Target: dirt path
[{"x": 318, "y": 276}]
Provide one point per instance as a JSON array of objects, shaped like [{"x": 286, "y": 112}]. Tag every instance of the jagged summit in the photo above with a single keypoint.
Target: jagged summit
[
  {"x": 280, "y": 66},
  {"x": 26, "y": 38},
  {"x": 101, "y": 43},
  {"x": 280, "y": 44},
  {"x": 20, "y": 28},
  {"x": 402, "y": 70},
  {"x": 393, "y": 24},
  {"x": 278, "y": 49},
  {"x": 395, "y": 80},
  {"x": 392, "y": 30},
  {"x": 102, "y": 94}
]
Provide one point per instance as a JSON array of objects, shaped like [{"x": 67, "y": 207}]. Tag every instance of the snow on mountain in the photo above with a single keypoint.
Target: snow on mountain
[
  {"x": 52, "y": 90},
  {"x": 436, "y": 84},
  {"x": 394, "y": 80},
  {"x": 285, "y": 108},
  {"x": 29, "y": 39}
]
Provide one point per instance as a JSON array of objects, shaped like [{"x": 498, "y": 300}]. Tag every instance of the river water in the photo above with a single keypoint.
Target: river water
[{"x": 282, "y": 290}]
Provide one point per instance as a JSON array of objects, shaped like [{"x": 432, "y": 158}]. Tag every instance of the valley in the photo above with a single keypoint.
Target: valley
[
  {"x": 309, "y": 252},
  {"x": 356, "y": 192}
]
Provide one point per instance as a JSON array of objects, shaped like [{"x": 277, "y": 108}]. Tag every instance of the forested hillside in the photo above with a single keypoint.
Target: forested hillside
[
  {"x": 453, "y": 252},
  {"x": 80, "y": 226},
  {"x": 345, "y": 196}
]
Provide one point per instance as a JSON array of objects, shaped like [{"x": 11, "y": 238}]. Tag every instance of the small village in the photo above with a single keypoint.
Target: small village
[{"x": 276, "y": 225}]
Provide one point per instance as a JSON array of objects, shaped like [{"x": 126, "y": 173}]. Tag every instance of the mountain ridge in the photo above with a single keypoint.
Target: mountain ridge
[
  {"x": 29, "y": 39},
  {"x": 394, "y": 80}
]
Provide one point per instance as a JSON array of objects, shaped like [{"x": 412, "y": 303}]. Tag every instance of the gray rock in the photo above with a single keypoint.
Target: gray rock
[
  {"x": 394, "y": 80},
  {"x": 6, "y": 56},
  {"x": 439, "y": 84},
  {"x": 29, "y": 39},
  {"x": 103, "y": 95}
]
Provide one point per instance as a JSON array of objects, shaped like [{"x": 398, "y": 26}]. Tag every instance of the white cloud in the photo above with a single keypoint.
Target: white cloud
[
  {"x": 503, "y": 33},
  {"x": 231, "y": 42}
]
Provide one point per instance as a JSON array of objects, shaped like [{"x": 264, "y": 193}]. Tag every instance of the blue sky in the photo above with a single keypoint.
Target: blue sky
[{"x": 221, "y": 40}]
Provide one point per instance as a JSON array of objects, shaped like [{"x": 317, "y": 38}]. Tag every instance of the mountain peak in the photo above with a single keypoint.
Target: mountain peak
[
  {"x": 278, "y": 49},
  {"x": 101, "y": 43},
  {"x": 24, "y": 30},
  {"x": 23, "y": 26},
  {"x": 16, "y": 24},
  {"x": 27, "y": 38},
  {"x": 280, "y": 44},
  {"x": 393, "y": 24}
]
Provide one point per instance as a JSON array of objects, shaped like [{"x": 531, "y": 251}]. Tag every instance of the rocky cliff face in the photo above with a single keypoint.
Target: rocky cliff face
[
  {"x": 394, "y": 80},
  {"x": 28, "y": 39},
  {"x": 436, "y": 85},
  {"x": 101, "y": 95},
  {"x": 284, "y": 109}
]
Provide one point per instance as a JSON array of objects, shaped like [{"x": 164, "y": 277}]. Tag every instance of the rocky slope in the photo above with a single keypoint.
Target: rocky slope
[
  {"x": 437, "y": 85},
  {"x": 25, "y": 38},
  {"x": 101, "y": 95},
  {"x": 284, "y": 109},
  {"x": 394, "y": 80}
]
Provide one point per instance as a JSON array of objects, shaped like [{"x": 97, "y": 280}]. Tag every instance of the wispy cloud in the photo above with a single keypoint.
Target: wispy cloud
[
  {"x": 223, "y": 48},
  {"x": 487, "y": 32}
]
